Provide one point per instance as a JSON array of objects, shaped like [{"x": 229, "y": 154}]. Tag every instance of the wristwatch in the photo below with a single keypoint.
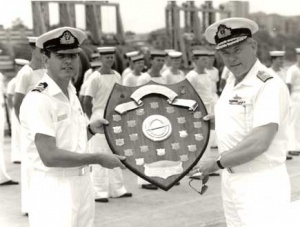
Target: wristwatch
[{"x": 219, "y": 162}]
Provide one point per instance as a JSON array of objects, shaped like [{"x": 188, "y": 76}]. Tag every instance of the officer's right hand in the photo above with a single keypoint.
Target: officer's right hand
[
  {"x": 111, "y": 161},
  {"x": 211, "y": 119}
]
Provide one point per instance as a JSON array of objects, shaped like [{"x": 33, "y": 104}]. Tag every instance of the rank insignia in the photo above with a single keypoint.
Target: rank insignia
[
  {"x": 40, "y": 87},
  {"x": 263, "y": 76}
]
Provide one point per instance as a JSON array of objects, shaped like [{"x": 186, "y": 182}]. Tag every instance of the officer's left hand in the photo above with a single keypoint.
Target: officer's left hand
[
  {"x": 206, "y": 168},
  {"x": 97, "y": 126}
]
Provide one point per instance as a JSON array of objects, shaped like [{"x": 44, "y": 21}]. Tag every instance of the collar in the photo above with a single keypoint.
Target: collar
[
  {"x": 250, "y": 78},
  {"x": 53, "y": 88}
]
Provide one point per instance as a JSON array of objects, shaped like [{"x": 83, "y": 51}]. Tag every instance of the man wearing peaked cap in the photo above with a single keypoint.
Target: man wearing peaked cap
[
  {"x": 107, "y": 182},
  {"x": 55, "y": 135},
  {"x": 251, "y": 125},
  {"x": 293, "y": 83},
  {"x": 173, "y": 74}
]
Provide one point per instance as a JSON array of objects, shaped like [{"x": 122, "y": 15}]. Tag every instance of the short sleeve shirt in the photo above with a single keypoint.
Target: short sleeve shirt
[
  {"x": 11, "y": 86},
  {"x": 99, "y": 87},
  {"x": 250, "y": 104},
  {"x": 172, "y": 78},
  {"x": 146, "y": 77},
  {"x": 293, "y": 78},
  {"x": 202, "y": 84},
  {"x": 27, "y": 78},
  {"x": 51, "y": 113}
]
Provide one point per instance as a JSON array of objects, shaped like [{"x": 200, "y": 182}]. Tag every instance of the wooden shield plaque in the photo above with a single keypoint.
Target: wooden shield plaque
[{"x": 159, "y": 128}]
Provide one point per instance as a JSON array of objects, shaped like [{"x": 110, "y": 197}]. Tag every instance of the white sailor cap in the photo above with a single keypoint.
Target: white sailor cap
[
  {"x": 106, "y": 50},
  {"x": 131, "y": 54},
  {"x": 21, "y": 62},
  {"x": 211, "y": 53},
  {"x": 175, "y": 54},
  {"x": 298, "y": 50},
  {"x": 32, "y": 39},
  {"x": 277, "y": 53},
  {"x": 137, "y": 58},
  {"x": 158, "y": 53},
  {"x": 96, "y": 64},
  {"x": 230, "y": 31},
  {"x": 64, "y": 40},
  {"x": 95, "y": 55},
  {"x": 169, "y": 50},
  {"x": 202, "y": 52}
]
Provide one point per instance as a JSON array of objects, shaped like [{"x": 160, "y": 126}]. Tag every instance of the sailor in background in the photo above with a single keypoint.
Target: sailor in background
[
  {"x": 107, "y": 182},
  {"x": 173, "y": 74},
  {"x": 5, "y": 179},
  {"x": 15, "y": 124},
  {"x": 293, "y": 83}
]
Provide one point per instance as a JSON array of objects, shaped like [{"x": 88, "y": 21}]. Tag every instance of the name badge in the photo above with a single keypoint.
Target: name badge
[{"x": 62, "y": 117}]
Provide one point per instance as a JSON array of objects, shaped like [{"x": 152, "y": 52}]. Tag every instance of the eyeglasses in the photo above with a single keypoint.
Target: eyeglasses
[{"x": 204, "y": 187}]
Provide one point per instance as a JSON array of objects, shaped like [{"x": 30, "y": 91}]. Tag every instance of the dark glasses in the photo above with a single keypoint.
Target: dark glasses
[{"x": 204, "y": 187}]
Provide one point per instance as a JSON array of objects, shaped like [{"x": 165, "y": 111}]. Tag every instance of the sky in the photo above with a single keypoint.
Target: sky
[{"x": 140, "y": 16}]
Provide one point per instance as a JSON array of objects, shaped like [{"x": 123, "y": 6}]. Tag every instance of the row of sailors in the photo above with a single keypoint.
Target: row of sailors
[{"x": 204, "y": 76}]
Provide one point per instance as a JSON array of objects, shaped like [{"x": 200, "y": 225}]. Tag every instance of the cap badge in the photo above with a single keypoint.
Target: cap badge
[
  {"x": 67, "y": 38},
  {"x": 223, "y": 31}
]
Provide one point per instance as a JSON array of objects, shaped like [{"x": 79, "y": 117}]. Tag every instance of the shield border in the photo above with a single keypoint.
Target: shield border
[{"x": 184, "y": 173}]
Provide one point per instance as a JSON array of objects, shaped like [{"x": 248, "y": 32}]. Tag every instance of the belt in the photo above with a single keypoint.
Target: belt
[
  {"x": 67, "y": 172},
  {"x": 253, "y": 168}
]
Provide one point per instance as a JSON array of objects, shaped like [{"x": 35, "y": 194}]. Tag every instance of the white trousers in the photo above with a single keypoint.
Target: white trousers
[
  {"x": 61, "y": 201},
  {"x": 15, "y": 138},
  {"x": 26, "y": 172},
  {"x": 107, "y": 182},
  {"x": 259, "y": 199},
  {"x": 294, "y": 125},
  {"x": 3, "y": 174}
]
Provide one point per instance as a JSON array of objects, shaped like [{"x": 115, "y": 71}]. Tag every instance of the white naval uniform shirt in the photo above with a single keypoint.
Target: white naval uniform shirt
[
  {"x": 172, "y": 78},
  {"x": 250, "y": 104},
  {"x": 131, "y": 79},
  {"x": 99, "y": 87},
  {"x": 27, "y": 78},
  {"x": 146, "y": 77},
  {"x": 293, "y": 78},
  {"x": 202, "y": 85},
  {"x": 51, "y": 113}
]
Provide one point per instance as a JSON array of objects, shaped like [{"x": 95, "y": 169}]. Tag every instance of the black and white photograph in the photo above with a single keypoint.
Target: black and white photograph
[{"x": 144, "y": 113}]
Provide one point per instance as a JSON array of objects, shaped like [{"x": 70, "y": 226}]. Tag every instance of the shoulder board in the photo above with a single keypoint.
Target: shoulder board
[
  {"x": 263, "y": 76},
  {"x": 40, "y": 87}
]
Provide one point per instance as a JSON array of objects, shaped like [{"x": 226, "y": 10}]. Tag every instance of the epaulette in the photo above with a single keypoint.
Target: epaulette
[
  {"x": 263, "y": 76},
  {"x": 40, "y": 87}
]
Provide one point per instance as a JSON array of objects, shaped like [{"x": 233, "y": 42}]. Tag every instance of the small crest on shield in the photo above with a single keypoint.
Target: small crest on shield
[
  {"x": 133, "y": 137},
  {"x": 199, "y": 137},
  {"x": 192, "y": 148},
  {"x": 117, "y": 129},
  {"x": 161, "y": 152},
  {"x": 183, "y": 134},
  {"x": 184, "y": 158},
  {"x": 170, "y": 109},
  {"x": 181, "y": 120},
  {"x": 144, "y": 148},
  {"x": 197, "y": 114},
  {"x": 154, "y": 105},
  {"x": 131, "y": 123},
  {"x": 175, "y": 146},
  {"x": 116, "y": 117},
  {"x": 119, "y": 142},
  {"x": 139, "y": 161},
  {"x": 140, "y": 112},
  {"x": 128, "y": 152},
  {"x": 197, "y": 124}
]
